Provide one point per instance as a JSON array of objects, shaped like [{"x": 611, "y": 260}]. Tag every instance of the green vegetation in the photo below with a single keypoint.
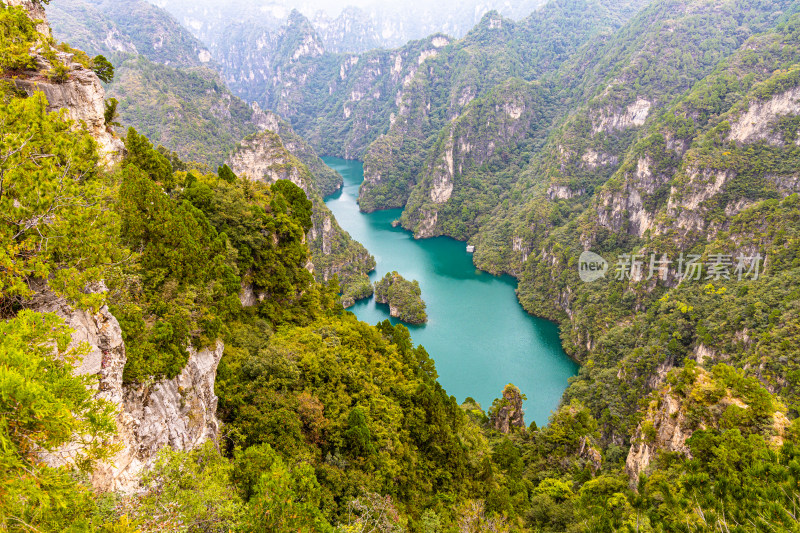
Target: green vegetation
[
  {"x": 17, "y": 36},
  {"x": 135, "y": 25},
  {"x": 44, "y": 407},
  {"x": 103, "y": 68},
  {"x": 334, "y": 253},
  {"x": 403, "y": 297},
  {"x": 356, "y": 288},
  {"x": 334, "y": 425},
  {"x": 56, "y": 229},
  {"x": 206, "y": 121}
]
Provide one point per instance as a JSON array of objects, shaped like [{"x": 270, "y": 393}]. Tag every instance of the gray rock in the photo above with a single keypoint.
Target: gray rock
[{"x": 178, "y": 412}]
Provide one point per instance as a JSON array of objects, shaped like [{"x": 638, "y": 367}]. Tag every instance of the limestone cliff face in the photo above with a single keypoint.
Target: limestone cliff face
[
  {"x": 326, "y": 180},
  {"x": 677, "y": 195},
  {"x": 36, "y": 12},
  {"x": 674, "y": 415},
  {"x": 180, "y": 412},
  {"x": 507, "y": 415},
  {"x": 264, "y": 157},
  {"x": 490, "y": 126},
  {"x": 626, "y": 206},
  {"x": 81, "y": 94},
  {"x": 290, "y": 71},
  {"x": 758, "y": 122},
  {"x": 670, "y": 429}
]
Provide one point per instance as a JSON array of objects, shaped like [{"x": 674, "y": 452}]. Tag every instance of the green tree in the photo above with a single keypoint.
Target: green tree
[
  {"x": 44, "y": 407},
  {"x": 55, "y": 219},
  {"x": 142, "y": 154},
  {"x": 284, "y": 499},
  {"x": 226, "y": 174},
  {"x": 110, "y": 113},
  {"x": 357, "y": 437},
  {"x": 296, "y": 202},
  {"x": 193, "y": 489},
  {"x": 17, "y": 36},
  {"x": 103, "y": 68}
]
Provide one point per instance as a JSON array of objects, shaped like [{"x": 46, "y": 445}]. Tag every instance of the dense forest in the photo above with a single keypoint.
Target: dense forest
[
  {"x": 654, "y": 135},
  {"x": 403, "y": 297}
]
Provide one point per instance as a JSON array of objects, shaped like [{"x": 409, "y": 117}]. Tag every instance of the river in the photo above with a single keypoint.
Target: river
[{"x": 477, "y": 332}]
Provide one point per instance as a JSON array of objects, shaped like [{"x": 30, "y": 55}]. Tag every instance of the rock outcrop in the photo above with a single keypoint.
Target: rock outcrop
[
  {"x": 179, "y": 412},
  {"x": 695, "y": 400},
  {"x": 80, "y": 93},
  {"x": 35, "y": 12},
  {"x": 263, "y": 157},
  {"x": 267, "y": 157},
  {"x": 758, "y": 122},
  {"x": 665, "y": 430},
  {"x": 507, "y": 414}
]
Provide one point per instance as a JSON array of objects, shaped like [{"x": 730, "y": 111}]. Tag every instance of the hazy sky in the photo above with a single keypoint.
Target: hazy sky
[{"x": 334, "y": 7}]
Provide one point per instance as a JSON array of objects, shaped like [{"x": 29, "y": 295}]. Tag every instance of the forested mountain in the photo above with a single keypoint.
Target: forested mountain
[
  {"x": 659, "y": 55},
  {"x": 353, "y": 29},
  {"x": 168, "y": 362},
  {"x": 129, "y": 26},
  {"x": 188, "y": 110},
  {"x": 161, "y": 71}
]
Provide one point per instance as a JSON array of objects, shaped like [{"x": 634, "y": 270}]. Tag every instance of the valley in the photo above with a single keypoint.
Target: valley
[
  {"x": 475, "y": 326},
  {"x": 196, "y": 199}
]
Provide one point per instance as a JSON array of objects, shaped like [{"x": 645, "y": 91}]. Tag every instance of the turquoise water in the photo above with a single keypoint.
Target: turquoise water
[{"x": 477, "y": 332}]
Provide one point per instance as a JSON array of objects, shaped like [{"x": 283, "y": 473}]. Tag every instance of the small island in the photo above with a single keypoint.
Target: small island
[{"x": 403, "y": 297}]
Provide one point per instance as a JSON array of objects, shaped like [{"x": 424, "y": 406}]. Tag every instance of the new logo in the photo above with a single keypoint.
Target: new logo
[{"x": 591, "y": 266}]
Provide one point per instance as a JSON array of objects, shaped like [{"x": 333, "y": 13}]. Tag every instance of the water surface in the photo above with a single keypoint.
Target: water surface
[{"x": 477, "y": 332}]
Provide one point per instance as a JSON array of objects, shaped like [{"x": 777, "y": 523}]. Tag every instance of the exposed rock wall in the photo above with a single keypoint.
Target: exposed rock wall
[
  {"x": 673, "y": 416},
  {"x": 81, "y": 94},
  {"x": 265, "y": 157},
  {"x": 35, "y": 12},
  {"x": 670, "y": 435},
  {"x": 180, "y": 412},
  {"x": 508, "y": 415},
  {"x": 757, "y": 123}
]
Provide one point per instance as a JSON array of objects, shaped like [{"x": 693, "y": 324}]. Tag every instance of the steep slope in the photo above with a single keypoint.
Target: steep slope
[
  {"x": 265, "y": 158},
  {"x": 494, "y": 51},
  {"x": 67, "y": 81},
  {"x": 340, "y": 103},
  {"x": 326, "y": 180},
  {"x": 636, "y": 75},
  {"x": 189, "y": 111},
  {"x": 346, "y": 28},
  {"x": 469, "y": 168},
  {"x": 712, "y": 178},
  {"x": 130, "y": 26},
  {"x": 344, "y": 102},
  {"x": 646, "y": 64}
]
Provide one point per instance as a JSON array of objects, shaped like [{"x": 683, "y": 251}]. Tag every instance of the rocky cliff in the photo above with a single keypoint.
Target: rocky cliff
[
  {"x": 180, "y": 412},
  {"x": 695, "y": 399},
  {"x": 129, "y": 26},
  {"x": 456, "y": 177},
  {"x": 264, "y": 157},
  {"x": 78, "y": 91},
  {"x": 506, "y": 414},
  {"x": 35, "y": 11}
]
